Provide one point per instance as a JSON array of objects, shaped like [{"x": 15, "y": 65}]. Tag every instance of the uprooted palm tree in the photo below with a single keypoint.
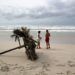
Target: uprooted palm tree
[{"x": 29, "y": 43}]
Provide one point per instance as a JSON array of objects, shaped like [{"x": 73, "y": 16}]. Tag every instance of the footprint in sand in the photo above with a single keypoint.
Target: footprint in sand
[
  {"x": 71, "y": 63},
  {"x": 5, "y": 69}
]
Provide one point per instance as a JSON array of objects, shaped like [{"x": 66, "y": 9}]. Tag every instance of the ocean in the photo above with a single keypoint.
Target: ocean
[{"x": 59, "y": 34}]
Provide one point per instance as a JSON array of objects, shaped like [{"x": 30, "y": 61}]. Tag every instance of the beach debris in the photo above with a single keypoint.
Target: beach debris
[
  {"x": 11, "y": 49},
  {"x": 29, "y": 42}
]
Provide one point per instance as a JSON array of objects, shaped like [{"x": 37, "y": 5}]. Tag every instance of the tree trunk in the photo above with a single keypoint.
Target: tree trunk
[{"x": 11, "y": 49}]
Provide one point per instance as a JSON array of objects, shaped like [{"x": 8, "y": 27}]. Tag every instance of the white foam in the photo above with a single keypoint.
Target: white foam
[{"x": 39, "y": 27}]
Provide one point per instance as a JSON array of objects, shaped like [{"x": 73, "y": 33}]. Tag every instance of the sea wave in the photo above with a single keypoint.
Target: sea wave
[{"x": 39, "y": 27}]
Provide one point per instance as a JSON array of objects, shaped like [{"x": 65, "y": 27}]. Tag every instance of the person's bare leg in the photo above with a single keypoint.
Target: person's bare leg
[
  {"x": 49, "y": 45},
  {"x": 46, "y": 45},
  {"x": 38, "y": 45}
]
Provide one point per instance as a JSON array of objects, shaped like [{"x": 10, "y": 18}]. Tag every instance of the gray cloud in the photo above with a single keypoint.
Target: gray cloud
[{"x": 55, "y": 8}]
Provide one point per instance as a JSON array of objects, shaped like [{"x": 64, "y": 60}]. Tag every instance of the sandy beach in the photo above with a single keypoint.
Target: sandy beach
[
  {"x": 26, "y": 26},
  {"x": 59, "y": 60}
]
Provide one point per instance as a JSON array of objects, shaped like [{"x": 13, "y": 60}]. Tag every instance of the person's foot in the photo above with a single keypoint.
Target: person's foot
[
  {"x": 49, "y": 47},
  {"x": 39, "y": 47}
]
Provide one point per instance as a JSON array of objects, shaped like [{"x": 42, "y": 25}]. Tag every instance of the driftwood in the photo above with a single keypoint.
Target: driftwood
[
  {"x": 29, "y": 43},
  {"x": 11, "y": 49}
]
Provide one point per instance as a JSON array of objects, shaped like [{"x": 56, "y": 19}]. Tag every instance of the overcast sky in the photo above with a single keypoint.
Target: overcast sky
[{"x": 37, "y": 12}]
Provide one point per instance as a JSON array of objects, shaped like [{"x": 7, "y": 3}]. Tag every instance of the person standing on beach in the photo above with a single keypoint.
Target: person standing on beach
[
  {"x": 47, "y": 38},
  {"x": 39, "y": 39}
]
